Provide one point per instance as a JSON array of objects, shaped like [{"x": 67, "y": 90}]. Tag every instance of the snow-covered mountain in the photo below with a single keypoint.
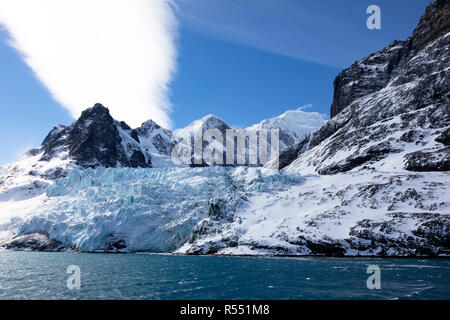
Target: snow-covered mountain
[
  {"x": 390, "y": 110},
  {"x": 196, "y": 130},
  {"x": 373, "y": 180},
  {"x": 156, "y": 141},
  {"x": 95, "y": 139},
  {"x": 384, "y": 156},
  {"x": 376, "y": 176},
  {"x": 292, "y": 125},
  {"x": 200, "y": 126}
]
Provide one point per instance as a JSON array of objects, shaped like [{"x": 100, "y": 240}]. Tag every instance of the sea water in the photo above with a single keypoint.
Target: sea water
[{"x": 41, "y": 275}]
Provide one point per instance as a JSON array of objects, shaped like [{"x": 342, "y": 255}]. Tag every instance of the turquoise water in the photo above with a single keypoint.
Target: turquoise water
[{"x": 39, "y": 275}]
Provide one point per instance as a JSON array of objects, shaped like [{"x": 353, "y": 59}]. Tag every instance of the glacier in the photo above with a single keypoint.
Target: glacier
[{"x": 129, "y": 210}]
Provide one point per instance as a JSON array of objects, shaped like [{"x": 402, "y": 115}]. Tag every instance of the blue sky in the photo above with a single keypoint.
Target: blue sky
[{"x": 241, "y": 60}]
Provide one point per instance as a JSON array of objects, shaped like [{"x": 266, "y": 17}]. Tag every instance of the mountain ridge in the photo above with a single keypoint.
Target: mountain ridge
[{"x": 94, "y": 139}]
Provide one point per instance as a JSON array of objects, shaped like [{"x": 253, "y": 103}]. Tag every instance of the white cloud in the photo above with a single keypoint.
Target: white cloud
[{"x": 120, "y": 53}]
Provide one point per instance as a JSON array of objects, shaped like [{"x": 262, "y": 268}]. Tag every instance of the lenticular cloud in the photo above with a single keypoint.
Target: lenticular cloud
[{"x": 120, "y": 53}]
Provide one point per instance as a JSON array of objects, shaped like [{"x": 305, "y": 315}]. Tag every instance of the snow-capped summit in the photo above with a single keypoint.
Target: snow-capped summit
[
  {"x": 154, "y": 138},
  {"x": 196, "y": 130},
  {"x": 293, "y": 125},
  {"x": 201, "y": 125},
  {"x": 156, "y": 141}
]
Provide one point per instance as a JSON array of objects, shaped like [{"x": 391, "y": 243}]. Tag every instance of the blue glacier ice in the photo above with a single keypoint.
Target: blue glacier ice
[{"x": 152, "y": 209}]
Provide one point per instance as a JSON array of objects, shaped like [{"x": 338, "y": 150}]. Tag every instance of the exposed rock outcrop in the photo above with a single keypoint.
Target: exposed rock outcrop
[
  {"x": 394, "y": 102},
  {"x": 38, "y": 241},
  {"x": 96, "y": 139}
]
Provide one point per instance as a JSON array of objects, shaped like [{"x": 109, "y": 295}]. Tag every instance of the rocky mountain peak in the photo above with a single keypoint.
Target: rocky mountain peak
[
  {"x": 207, "y": 122},
  {"x": 97, "y": 111},
  {"x": 150, "y": 125},
  {"x": 210, "y": 117},
  {"x": 95, "y": 139},
  {"x": 434, "y": 23},
  {"x": 374, "y": 72},
  {"x": 390, "y": 109},
  {"x": 154, "y": 138},
  {"x": 213, "y": 122}
]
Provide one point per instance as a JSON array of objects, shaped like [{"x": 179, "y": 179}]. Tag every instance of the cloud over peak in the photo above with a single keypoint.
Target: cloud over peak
[{"x": 117, "y": 52}]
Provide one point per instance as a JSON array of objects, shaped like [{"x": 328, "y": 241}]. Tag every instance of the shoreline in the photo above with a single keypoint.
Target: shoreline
[{"x": 241, "y": 255}]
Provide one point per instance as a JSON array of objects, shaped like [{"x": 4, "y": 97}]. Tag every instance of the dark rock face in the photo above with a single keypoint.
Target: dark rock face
[
  {"x": 444, "y": 137},
  {"x": 36, "y": 242},
  {"x": 394, "y": 100},
  {"x": 114, "y": 243},
  {"x": 371, "y": 154},
  {"x": 428, "y": 160},
  {"x": 292, "y": 153},
  {"x": 430, "y": 236},
  {"x": 54, "y": 173},
  {"x": 374, "y": 72},
  {"x": 371, "y": 74},
  {"x": 435, "y": 22},
  {"x": 54, "y": 141},
  {"x": 95, "y": 140},
  {"x": 325, "y": 248}
]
